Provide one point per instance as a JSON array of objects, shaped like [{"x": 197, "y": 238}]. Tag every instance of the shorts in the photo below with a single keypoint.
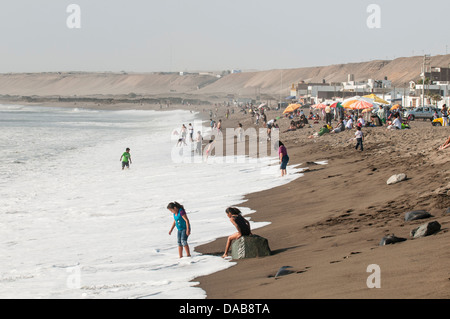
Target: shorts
[
  {"x": 182, "y": 237},
  {"x": 284, "y": 162},
  {"x": 127, "y": 164}
]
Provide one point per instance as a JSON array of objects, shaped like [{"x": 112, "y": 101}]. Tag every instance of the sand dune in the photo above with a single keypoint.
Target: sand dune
[{"x": 247, "y": 84}]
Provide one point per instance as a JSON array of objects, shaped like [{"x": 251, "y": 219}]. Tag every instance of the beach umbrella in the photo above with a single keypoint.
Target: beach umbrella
[
  {"x": 375, "y": 99},
  {"x": 336, "y": 104},
  {"x": 361, "y": 105},
  {"x": 347, "y": 102},
  {"x": 291, "y": 108},
  {"x": 262, "y": 105},
  {"x": 319, "y": 106}
]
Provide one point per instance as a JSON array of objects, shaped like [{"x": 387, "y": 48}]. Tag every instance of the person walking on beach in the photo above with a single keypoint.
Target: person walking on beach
[
  {"x": 125, "y": 158},
  {"x": 208, "y": 149},
  {"x": 444, "y": 112},
  {"x": 219, "y": 127},
  {"x": 240, "y": 132},
  {"x": 284, "y": 158},
  {"x": 181, "y": 221},
  {"x": 199, "y": 141},
  {"x": 328, "y": 114},
  {"x": 359, "y": 136},
  {"x": 191, "y": 132},
  {"x": 182, "y": 139},
  {"x": 242, "y": 225},
  {"x": 381, "y": 114}
]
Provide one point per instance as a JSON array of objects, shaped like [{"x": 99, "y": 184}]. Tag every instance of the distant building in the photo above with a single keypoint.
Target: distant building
[
  {"x": 438, "y": 74},
  {"x": 319, "y": 92}
]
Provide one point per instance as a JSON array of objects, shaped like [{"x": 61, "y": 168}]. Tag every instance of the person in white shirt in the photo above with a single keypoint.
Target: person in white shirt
[
  {"x": 359, "y": 138},
  {"x": 349, "y": 124},
  {"x": 361, "y": 121},
  {"x": 396, "y": 124}
]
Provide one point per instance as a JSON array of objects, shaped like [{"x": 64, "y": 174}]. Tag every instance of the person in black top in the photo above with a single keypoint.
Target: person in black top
[{"x": 242, "y": 225}]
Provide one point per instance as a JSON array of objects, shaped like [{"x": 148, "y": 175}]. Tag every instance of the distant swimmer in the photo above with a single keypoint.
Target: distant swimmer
[{"x": 126, "y": 159}]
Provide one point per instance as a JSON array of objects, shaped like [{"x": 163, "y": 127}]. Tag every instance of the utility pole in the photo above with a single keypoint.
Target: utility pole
[{"x": 425, "y": 67}]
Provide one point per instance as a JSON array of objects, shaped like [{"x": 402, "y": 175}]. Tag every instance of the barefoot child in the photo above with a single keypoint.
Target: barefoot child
[
  {"x": 283, "y": 157},
  {"x": 242, "y": 225},
  {"x": 126, "y": 159},
  {"x": 359, "y": 138},
  {"x": 184, "y": 227}
]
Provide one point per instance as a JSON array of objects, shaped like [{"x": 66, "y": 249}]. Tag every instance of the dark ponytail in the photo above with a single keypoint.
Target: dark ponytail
[
  {"x": 233, "y": 211},
  {"x": 175, "y": 205}
]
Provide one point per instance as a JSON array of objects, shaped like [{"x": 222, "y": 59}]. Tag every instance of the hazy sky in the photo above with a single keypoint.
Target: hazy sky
[{"x": 186, "y": 35}]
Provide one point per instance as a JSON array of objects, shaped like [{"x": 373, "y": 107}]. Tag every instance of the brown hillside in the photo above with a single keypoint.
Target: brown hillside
[{"x": 272, "y": 82}]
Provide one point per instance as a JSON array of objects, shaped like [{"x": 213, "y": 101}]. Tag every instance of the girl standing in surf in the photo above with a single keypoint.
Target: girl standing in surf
[{"x": 183, "y": 225}]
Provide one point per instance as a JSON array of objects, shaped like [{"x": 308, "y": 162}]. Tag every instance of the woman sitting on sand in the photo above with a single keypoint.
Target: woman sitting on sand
[
  {"x": 445, "y": 145},
  {"x": 340, "y": 127},
  {"x": 242, "y": 225},
  {"x": 292, "y": 127}
]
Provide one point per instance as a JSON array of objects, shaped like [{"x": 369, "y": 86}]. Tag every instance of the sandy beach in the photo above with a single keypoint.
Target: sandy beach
[{"x": 327, "y": 224}]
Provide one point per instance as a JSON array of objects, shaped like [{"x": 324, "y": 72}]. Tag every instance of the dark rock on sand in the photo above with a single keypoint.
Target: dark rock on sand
[
  {"x": 426, "y": 229},
  {"x": 416, "y": 214},
  {"x": 391, "y": 239}
]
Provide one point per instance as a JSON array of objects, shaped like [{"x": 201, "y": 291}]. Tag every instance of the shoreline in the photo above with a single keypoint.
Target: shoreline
[{"x": 327, "y": 224}]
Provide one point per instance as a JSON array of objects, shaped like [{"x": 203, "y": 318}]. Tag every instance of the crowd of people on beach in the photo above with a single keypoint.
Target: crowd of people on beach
[{"x": 344, "y": 121}]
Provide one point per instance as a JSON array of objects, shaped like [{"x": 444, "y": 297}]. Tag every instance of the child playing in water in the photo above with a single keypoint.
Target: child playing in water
[
  {"x": 126, "y": 159},
  {"x": 242, "y": 225},
  {"x": 183, "y": 225}
]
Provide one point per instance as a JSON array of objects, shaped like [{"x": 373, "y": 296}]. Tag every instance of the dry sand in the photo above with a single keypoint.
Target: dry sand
[{"x": 327, "y": 225}]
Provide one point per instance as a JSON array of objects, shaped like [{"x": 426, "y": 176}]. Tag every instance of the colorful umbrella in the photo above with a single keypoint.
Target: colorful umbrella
[
  {"x": 350, "y": 100},
  {"x": 336, "y": 104},
  {"x": 291, "y": 108},
  {"x": 319, "y": 106},
  {"x": 361, "y": 105},
  {"x": 375, "y": 99}
]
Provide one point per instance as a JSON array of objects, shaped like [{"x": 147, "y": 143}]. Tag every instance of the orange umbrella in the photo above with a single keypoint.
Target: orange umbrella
[
  {"x": 292, "y": 108},
  {"x": 396, "y": 106},
  {"x": 361, "y": 105}
]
